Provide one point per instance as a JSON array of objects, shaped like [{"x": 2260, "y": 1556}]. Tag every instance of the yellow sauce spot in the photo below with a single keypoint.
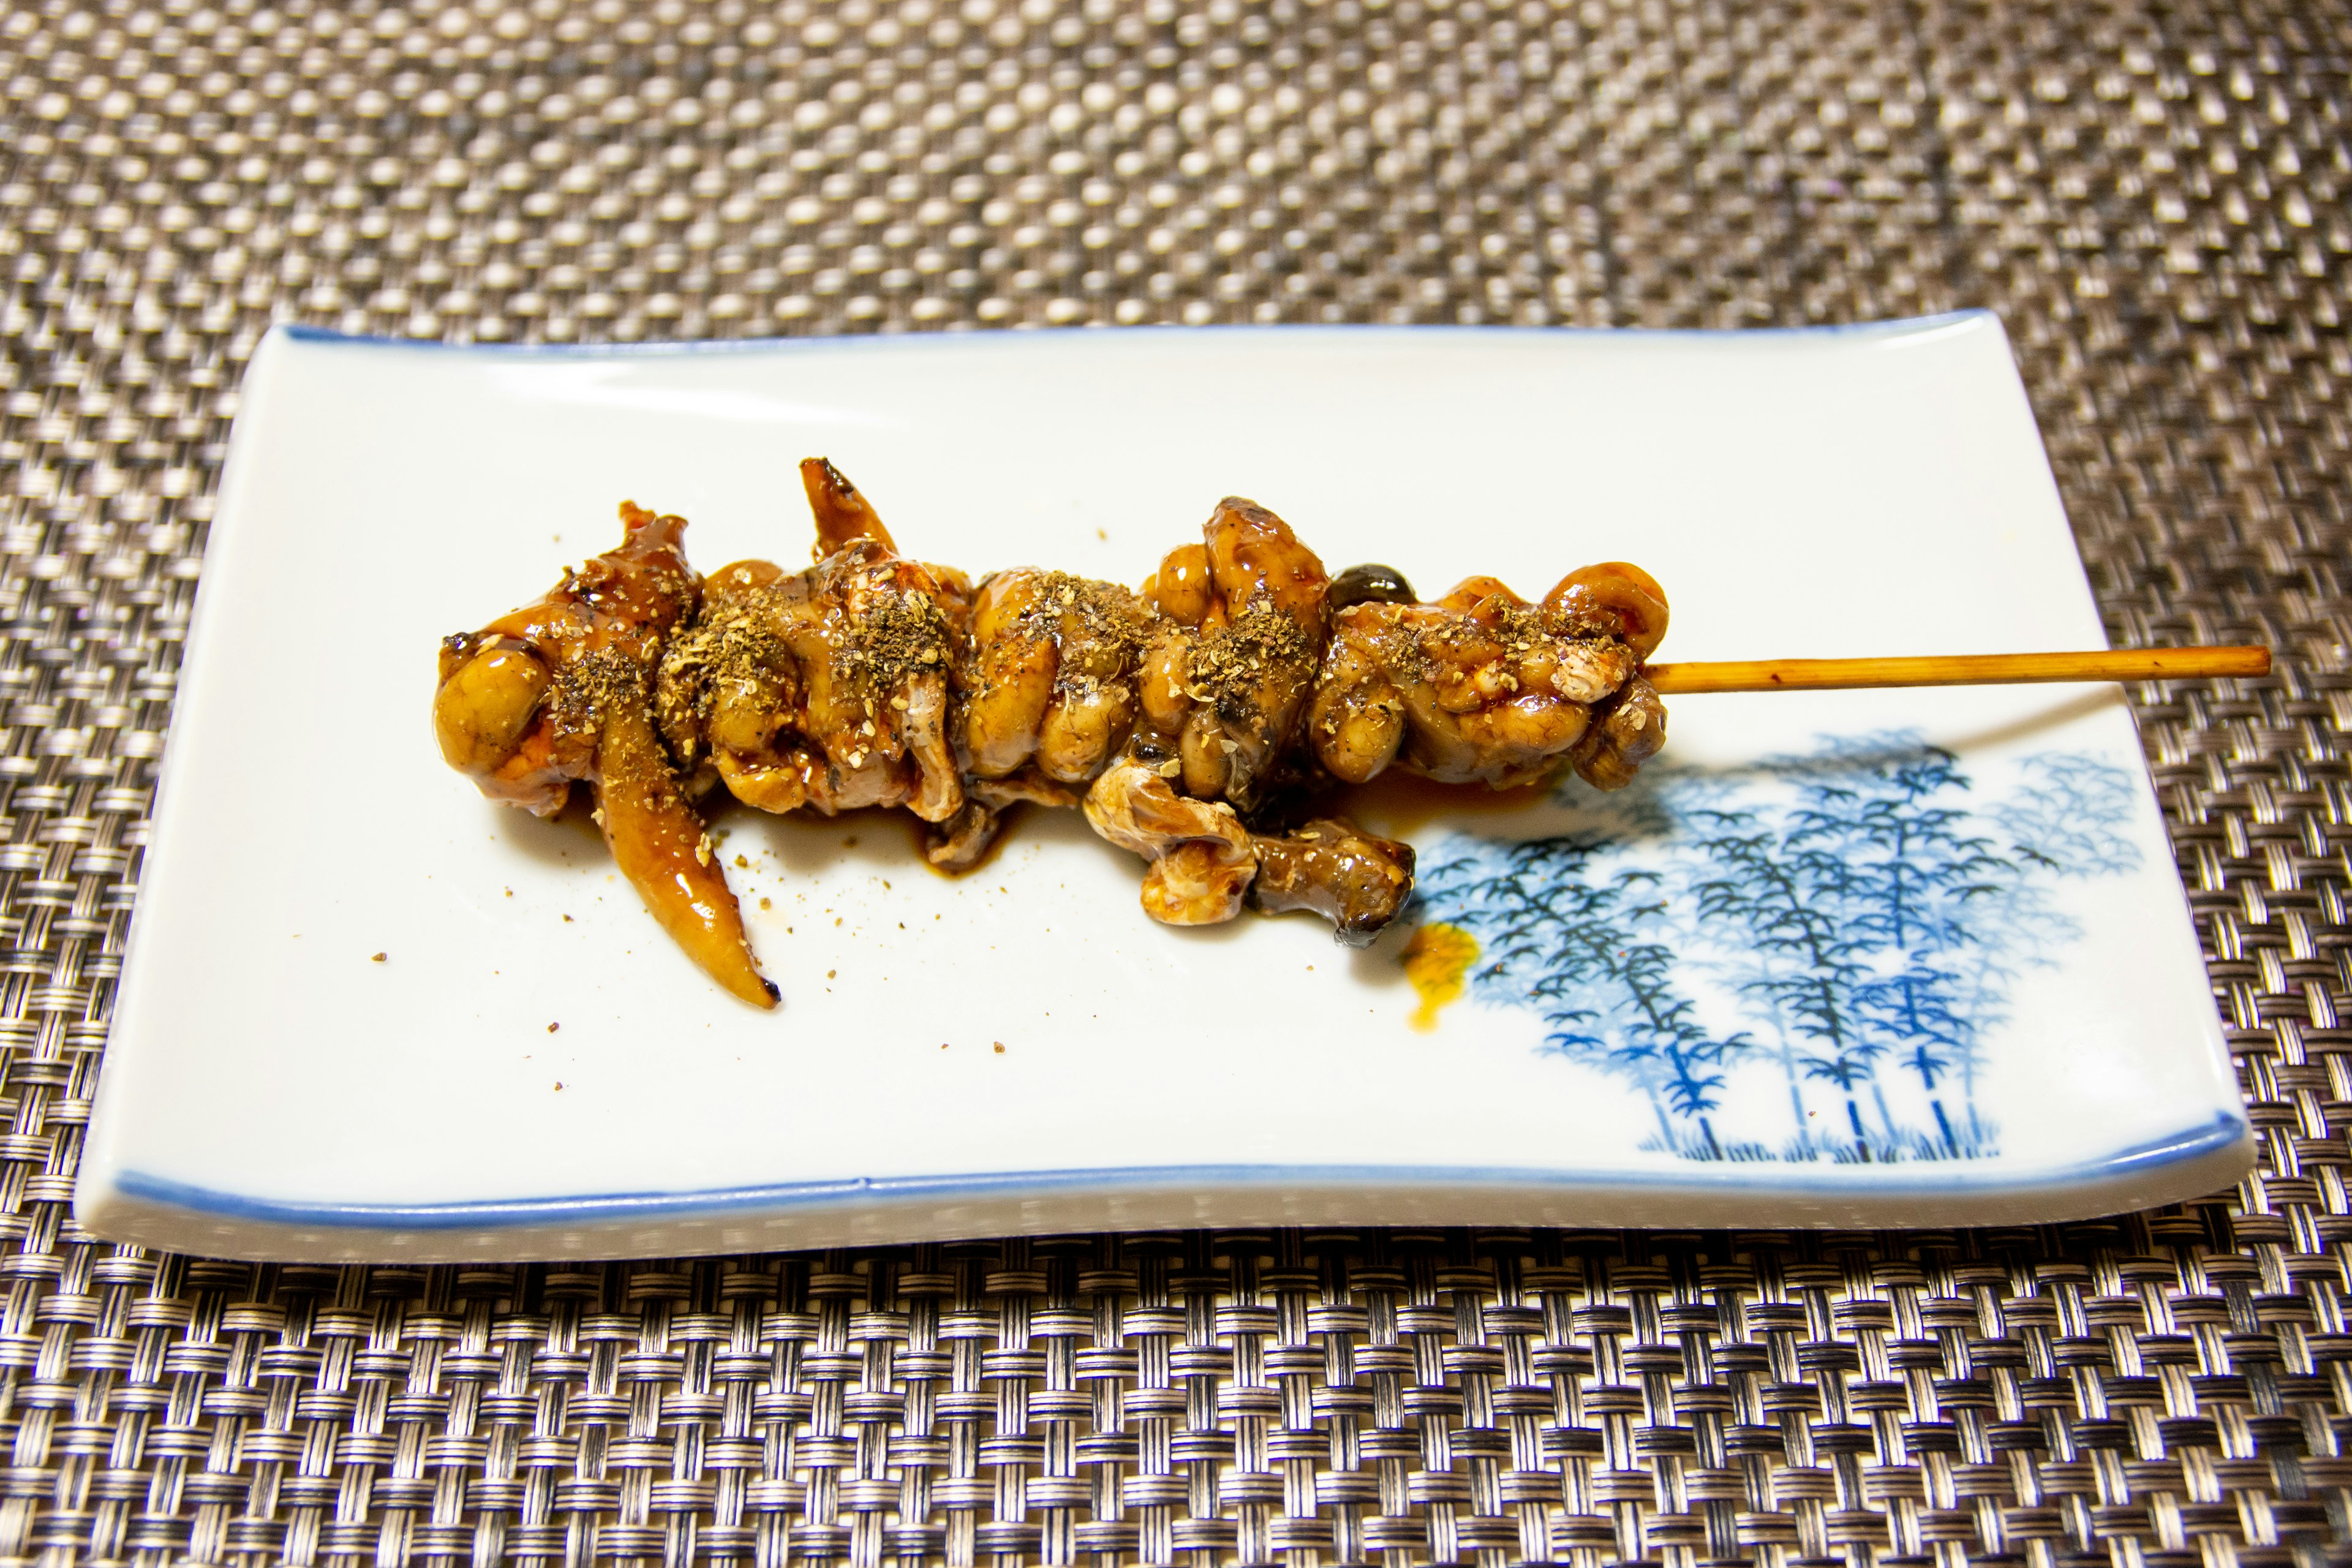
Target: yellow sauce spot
[{"x": 1436, "y": 960}]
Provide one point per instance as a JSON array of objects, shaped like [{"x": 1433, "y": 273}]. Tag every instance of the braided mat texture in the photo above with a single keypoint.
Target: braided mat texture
[{"x": 2152, "y": 192}]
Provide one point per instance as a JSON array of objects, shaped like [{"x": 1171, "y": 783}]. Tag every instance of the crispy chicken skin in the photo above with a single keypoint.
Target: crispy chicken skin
[
  {"x": 1187, "y": 717},
  {"x": 561, "y": 690}
]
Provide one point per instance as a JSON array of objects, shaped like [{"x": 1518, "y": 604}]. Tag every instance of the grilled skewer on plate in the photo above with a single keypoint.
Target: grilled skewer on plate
[{"x": 1196, "y": 721}]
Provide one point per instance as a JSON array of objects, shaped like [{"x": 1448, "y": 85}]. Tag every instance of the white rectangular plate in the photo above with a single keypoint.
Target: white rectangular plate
[{"x": 1852, "y": 959}]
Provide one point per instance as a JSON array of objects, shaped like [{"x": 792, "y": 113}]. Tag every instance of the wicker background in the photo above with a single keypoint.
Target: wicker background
[{"x": 2152, "y": 194}]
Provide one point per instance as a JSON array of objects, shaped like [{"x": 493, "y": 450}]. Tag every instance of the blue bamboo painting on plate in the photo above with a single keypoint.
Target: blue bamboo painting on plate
[{"x": 1801, "y": 958}]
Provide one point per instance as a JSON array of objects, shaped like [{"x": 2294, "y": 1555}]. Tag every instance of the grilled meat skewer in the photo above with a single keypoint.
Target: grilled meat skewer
[{"x": 1188, "y": 720}]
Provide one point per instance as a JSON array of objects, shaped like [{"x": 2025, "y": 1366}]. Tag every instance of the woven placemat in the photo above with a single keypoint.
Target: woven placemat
[{"x": 2152, "y": 195}]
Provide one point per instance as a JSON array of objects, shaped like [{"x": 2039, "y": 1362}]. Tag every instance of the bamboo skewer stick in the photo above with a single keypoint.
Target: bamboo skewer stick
[{"x": 1961, "y": 669}]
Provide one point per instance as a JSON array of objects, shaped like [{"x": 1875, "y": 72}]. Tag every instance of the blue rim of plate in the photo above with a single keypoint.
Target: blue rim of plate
[
  {"x": 1899, "y": 326},
  {"x": 2188, "y": 1147}
]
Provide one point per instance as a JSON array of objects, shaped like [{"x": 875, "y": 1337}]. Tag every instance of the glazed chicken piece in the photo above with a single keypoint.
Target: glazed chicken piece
[
  {"x": 1357, "y": 880},
  {"x": 1049, "y": 679},
  {"x": 1617, "y": 599},
  {"x": 1185, "y": 718},
  {"x": 1202, "y": 859},
  {"x": 561, "y": 690},
  {"x": 1483, "y": 687},
  {"x": 1047, "y": 687},
  {"x": 827, "y": 687},
  {"x": 1227, "y": 672},
  {"x": 1206, "y": 863},
  {"x": 1627, "y": 730}
]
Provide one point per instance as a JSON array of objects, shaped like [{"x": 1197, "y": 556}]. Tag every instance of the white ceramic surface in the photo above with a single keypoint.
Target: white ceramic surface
[{"x": 272, "y": 1090}]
